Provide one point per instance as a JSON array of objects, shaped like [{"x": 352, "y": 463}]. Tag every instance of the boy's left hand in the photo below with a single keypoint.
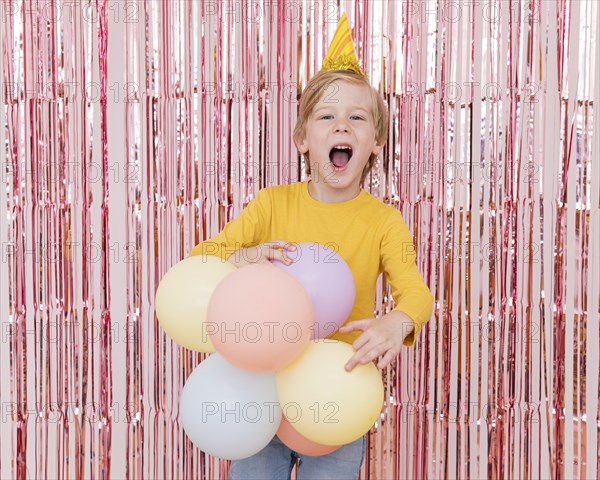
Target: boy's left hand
[{"x": 381, "y": 337}]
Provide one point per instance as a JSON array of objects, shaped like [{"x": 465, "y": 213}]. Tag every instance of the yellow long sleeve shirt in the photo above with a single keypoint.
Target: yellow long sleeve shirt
[{"x": 369, "y": 235}]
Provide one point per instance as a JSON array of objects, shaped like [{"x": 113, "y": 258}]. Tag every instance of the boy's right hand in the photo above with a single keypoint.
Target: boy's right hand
[{"x": 263, "y": 253}]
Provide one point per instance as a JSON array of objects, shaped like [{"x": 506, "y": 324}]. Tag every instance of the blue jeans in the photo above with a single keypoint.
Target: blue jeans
[{"x": 276, "y": 461}]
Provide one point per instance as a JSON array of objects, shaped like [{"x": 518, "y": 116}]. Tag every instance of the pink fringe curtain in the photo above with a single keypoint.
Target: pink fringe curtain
[{"x": 132, "y": 130}]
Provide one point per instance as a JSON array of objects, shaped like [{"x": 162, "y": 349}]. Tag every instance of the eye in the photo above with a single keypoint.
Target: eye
[
  {"x": 325, "y": 117},
  {"x": 357, "y": 117}
]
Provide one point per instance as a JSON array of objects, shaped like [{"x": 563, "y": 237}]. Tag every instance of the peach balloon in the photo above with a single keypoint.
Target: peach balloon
[
  {"x": 299, "y": 443},
  {"x": 259, "y": 318}
]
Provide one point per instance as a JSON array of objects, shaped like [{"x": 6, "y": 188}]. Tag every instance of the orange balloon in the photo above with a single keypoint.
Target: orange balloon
[
  {"x": 259, "y": 318},
  {"x": 299, "y": 443}
]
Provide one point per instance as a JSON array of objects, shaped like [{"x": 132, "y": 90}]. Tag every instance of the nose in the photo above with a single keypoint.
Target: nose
[{"x": 341, "y": 126}]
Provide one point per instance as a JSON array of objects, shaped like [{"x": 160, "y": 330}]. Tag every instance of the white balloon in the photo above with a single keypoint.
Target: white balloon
[{"x": 228, "y": 412}]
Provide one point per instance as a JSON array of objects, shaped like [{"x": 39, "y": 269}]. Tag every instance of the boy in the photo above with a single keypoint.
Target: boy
[{"x": 342, "y": 127}]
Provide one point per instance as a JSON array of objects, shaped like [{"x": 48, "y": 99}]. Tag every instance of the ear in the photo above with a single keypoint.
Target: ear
[
  {"x": 302, "y": 146},
  {"x": 377, "y": 149}
]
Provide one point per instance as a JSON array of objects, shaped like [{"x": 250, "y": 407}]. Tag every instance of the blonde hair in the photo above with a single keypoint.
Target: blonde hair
[{"x": 315, "y": 89}]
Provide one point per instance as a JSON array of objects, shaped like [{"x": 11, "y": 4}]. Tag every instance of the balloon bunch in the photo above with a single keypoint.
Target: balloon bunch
[{"x": 273, "y": 371}]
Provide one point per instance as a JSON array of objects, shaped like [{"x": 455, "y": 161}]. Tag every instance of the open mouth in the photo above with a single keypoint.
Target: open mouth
[{"x": 340, "y": 155}]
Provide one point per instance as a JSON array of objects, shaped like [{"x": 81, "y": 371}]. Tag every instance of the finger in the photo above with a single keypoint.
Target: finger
[
  {"x": 386, "y": 359},
  {"x": 290, "y": 252},
  {"x": 271, "y": 252},
  {"x": 269, "y": 248},
  {"x": 350, "y": 364},
  {"x": 356, "y": 325},
  {"x": 277, "y": 249},
  {"x": 358, "y": 356},
  {"x": 287, "y": 256},
  {"x": 282, "y": 257},
  {"x": 374, "y": 352},
  {"x": 280, "y": 254},
  {"x": 361, "y": 341},
  {"x": 290, "y": 246}
]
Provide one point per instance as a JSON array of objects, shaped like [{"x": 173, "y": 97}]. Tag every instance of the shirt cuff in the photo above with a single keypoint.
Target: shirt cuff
[{"x": 419, "y": 314}]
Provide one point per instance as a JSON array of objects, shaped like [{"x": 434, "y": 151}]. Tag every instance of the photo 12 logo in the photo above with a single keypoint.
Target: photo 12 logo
[
  {"x": 252, "y": 412},
  {"x": 71, "y": 11}
]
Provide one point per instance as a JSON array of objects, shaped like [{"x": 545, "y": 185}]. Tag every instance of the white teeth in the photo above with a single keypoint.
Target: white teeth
[{"x": 342, "y": 147}]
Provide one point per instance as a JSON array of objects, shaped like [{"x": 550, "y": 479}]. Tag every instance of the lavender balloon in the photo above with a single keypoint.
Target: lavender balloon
[{"x": 328, "y": 281}]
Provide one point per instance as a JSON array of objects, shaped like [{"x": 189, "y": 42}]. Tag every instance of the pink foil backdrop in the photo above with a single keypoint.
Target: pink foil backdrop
[{"x": 132, "y": 130}]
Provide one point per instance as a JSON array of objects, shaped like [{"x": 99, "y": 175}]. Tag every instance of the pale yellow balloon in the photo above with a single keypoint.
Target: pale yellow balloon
[
  {"x": 325, "y": 403},
  {"x": 182, "y": 298}
]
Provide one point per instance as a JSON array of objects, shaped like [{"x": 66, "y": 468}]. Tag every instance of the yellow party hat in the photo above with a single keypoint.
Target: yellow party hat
[{"x": 341, "y": 54}]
